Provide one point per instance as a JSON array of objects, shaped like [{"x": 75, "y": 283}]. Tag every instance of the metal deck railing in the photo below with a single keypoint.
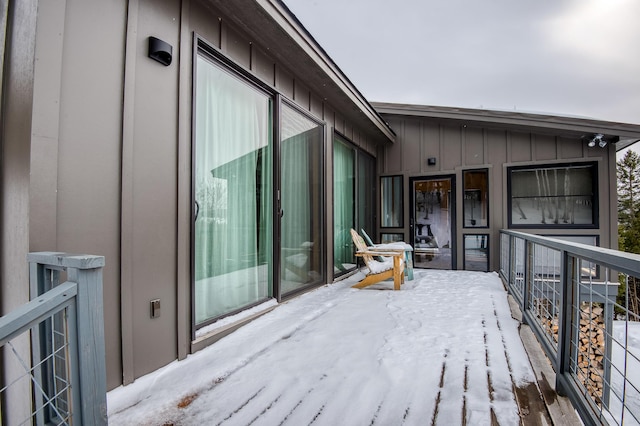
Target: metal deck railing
[
  {"x": 582, "y": 304},
  {"x": 52, "y": 348}
]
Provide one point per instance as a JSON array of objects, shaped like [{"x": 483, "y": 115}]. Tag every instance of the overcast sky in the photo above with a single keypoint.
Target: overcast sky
[{"x": 566, "y": 57}]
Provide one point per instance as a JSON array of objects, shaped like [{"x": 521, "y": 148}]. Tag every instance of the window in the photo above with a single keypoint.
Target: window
[
  {"x": 558, "y": 196},
  {"x": 475, "y": 204},
  {"x": 386, "y": 238},
  {"x": 476, "y": 252},
  {"x": 391, "y": 202}
]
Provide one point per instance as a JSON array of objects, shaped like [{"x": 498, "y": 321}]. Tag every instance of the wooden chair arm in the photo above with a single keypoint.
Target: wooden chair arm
[{"x": 380, "y": 253}]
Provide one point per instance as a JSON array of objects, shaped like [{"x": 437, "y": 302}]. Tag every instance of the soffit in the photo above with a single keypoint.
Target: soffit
[{"x": 289, "y": 43}]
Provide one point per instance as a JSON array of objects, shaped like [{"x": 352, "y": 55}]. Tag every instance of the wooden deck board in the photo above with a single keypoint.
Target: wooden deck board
[{"x": 387, "y": 369}]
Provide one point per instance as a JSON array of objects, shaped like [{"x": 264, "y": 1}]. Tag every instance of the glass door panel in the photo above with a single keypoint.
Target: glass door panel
[
  {"x": 302, "y": 250},
  {"x": 366, "y": 193},
  {"x": 432, "y": 221},
  {"x": 343, "y": 206},
  {"x": 233, "y": 193}
]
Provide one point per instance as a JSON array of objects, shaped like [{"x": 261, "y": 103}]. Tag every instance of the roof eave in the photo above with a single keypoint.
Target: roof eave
[
  {"x": 573, "y": 126},
  {"x": 293, "y": 46}
]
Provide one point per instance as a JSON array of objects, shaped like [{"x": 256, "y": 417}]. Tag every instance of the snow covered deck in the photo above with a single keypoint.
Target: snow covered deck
[{"x": 443, "y": 350}]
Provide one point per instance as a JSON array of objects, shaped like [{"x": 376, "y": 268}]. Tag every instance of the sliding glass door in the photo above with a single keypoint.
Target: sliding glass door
[
  {"x": 344, "y": 186},
  {"x": 354, "y": 198},
  {"x": 302, "y": 194},
  {"x": 233, "y": 190}
]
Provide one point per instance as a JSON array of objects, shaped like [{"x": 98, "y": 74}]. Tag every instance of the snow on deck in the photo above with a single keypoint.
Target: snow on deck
[{"x": 443, "y": 347}]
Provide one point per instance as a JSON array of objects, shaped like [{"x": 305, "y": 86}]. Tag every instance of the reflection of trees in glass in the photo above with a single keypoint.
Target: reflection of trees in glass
[
  {"x": 211, "y": 197},
  {"x": 392, "y": 207},
  {"x": 476, "y": 208},
  {"x": 553, "y": 196}
]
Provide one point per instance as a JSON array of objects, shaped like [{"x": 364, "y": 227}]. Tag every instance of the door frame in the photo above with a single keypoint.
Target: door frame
[{"x": 452, "y": 212}]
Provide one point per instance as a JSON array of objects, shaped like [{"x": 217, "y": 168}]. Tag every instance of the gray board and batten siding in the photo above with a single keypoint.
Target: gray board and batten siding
[{"x": 471, "y": 139}]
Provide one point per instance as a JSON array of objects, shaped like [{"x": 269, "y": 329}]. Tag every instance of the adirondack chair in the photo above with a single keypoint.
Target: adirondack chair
[
  {"x": 393, "y": 267},
  {"x": 408, "y": 252}
]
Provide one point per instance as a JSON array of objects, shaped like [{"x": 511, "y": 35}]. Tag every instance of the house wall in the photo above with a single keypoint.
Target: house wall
[
  {"x": 111, "y": 157},
  {"x": 458, "y": 146},
  {"x": 17, "y": 42}
]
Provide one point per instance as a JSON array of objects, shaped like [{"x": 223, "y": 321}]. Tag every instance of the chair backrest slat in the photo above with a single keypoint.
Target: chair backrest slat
[{"x": 361, "y": 246}]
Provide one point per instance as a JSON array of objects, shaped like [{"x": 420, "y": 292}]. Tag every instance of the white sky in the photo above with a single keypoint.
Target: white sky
[
  {"x": 350, "y": 355},
  {"x": 565, "y": 57}
]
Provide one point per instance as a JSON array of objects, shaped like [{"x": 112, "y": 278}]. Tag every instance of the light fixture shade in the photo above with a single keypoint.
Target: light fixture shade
[
  {"x": 592, "y": 143},
  {"x": 602, "y": 143}
]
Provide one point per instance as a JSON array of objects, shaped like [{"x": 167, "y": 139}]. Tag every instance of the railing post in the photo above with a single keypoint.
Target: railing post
[
  {"x": 568, "y": 270},
  {"x": 87, "y": 272},
  {"x": 609, "y": 313},
  {"x": 89, "y": 399},
  {"x": 529, "y": 275}
]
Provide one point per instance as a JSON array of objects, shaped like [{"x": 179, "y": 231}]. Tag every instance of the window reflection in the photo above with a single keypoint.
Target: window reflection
[{"x": 475, "y": 203}]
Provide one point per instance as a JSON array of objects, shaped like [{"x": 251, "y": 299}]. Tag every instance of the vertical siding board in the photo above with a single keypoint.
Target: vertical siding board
[
  {"x": 284, "y": 82},
  {"x": 126, "y": 200},
  {"x": 545, "y": 147},
  {"x": 520, "y": 146},
  {"x": 338, "y": 122},
  {"x": 262, "y": 65},
  {"x": 394, "y": 151},
  {"x": 451, "y": 147},
  {"x": 237, "y": 47},
  {"x": 430, "y": 146},
  {"x": 397, "y": 126},
  {"x": 301, "y": 94},
  {"x": 208, "y": 26},
  {"x": 410, "y": 146},
  {"x": 154, "y": 254},
  {"x": 315, "y": 105},
  {"x": 474, "y": 147},
  {"x": 90, "y": 150},
  {"x": 569, "y": 148},
  {"x": 594, "y": 153},
  {"x": 497, "y": 145},
  {"x": 348, "y": 130}
]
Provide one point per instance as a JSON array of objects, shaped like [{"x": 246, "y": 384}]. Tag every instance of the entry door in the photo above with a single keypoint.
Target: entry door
[{"x": 433, "y": 221}]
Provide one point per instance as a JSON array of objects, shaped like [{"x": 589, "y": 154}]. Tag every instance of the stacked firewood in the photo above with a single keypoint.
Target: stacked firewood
[{"x": 591, "y": 340}]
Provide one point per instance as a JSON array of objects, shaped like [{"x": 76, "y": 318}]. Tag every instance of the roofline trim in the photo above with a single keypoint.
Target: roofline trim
[
  {"x": 285, "y": 18},
  {"x": 545, "y": 121}
]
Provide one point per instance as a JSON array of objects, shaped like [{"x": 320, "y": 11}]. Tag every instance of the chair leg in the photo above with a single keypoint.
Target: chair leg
[{"x": 398, "y": 272}]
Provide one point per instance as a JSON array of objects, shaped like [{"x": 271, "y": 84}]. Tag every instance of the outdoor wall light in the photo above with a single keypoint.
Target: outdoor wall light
[
  {"x": 160, "y": 51},
  {"x": 431, "y": 161},
  {"x": 599, "y": 139}
]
